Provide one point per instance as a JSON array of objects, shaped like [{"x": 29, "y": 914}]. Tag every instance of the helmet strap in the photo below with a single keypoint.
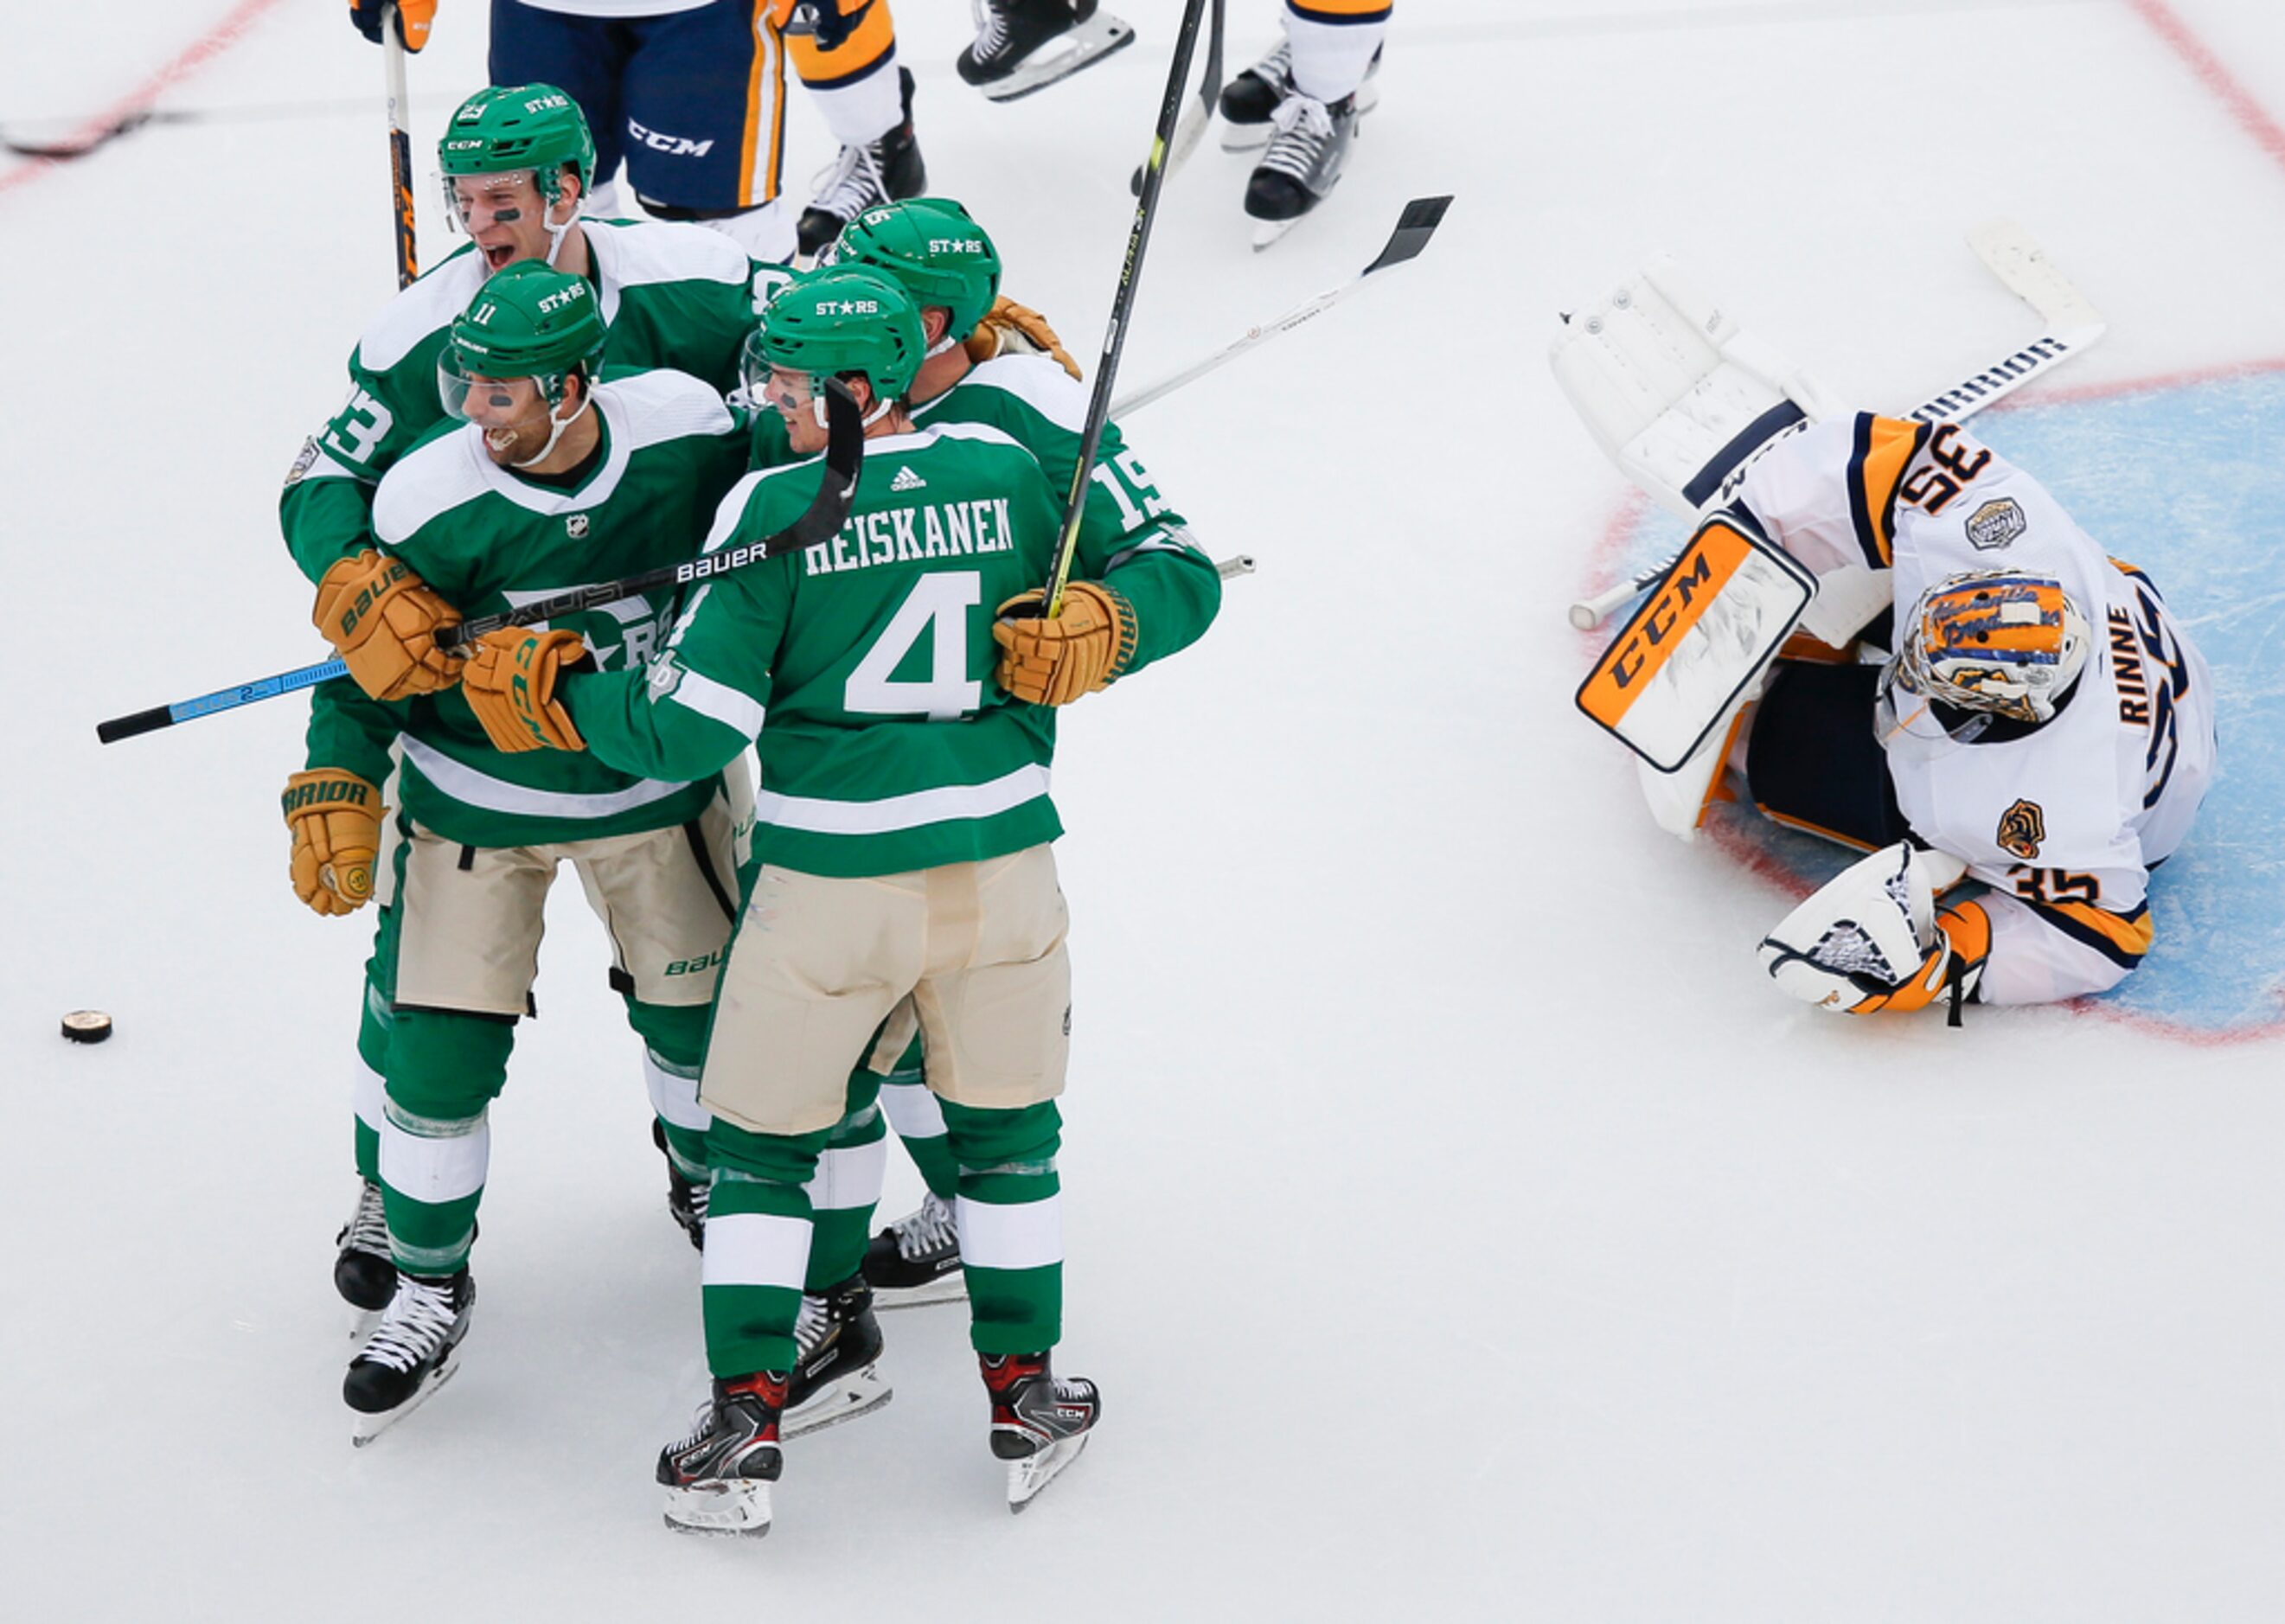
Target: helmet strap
[{"x": 557, "y": 426}]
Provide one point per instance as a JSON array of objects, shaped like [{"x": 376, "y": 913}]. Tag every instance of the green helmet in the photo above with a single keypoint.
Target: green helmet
[
  {"x": 844, "y": 320},
  {"x": 527, "y": 321},
  {"x": 932, "y": 249},
  {"x": 534, "y": 127}
]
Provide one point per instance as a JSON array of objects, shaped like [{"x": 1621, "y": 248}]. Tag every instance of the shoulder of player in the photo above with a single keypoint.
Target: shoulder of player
[
  {"x": 660, "y": 404},
  {"x": 438, "y": 475},
  {"x": 752, "y": 505},
  {"x": 1037, "y": 383},
  {"x": 646, "y": 253},
  {"x": 420, "y": 312}
]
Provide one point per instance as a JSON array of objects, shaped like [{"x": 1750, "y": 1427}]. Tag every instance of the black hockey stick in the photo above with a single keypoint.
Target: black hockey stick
[
  {"x": 62, "y": 151},
  {"x": 844, "y": 457},
  {"x": 1414, "y": 227},
  {"x": 1122, "y": 306},
  {"x": 400, "y": 147},
  {"x": 1192, "y": 130}
]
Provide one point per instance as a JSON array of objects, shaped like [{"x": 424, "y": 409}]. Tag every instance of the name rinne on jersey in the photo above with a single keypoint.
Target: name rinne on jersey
[
  {"x": 903, "y": 535},
  {"x": 2126, "y": 671}
]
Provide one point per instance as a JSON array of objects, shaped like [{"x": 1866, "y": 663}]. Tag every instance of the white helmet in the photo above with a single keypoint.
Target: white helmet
[{"x": 1992, "y": 640}]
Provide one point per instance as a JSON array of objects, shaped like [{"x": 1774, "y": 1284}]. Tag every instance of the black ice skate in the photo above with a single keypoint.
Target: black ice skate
[
  {"x": 718, "y": 1479},
  {"x": 686, "y": 1200},
  {"x": 1039, "y": 1423},
  {"x": 880, "y": 171},
  {"x": 1302, "y": 165},
  {"x": 412, "y": 1353},
  {"x": 1027, "y": 45},
  {"x": 1249, "y": 102},
  {"x": 915, "y": 1261},
  {"x": 363, "y": 1272},
  {"x": 837, "y": 1373}
]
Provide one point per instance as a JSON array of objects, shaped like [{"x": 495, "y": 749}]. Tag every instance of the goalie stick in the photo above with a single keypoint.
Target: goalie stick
[
  {"x": 2074, "y": 324},
  {"x": 836, "y": 489},
  {"x": 1414, "y": 227}
]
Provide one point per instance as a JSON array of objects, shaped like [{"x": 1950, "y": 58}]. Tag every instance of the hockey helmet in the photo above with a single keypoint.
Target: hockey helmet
[
  {"x": 841, "y": 319},
  {"x": 1993, "y": 640},
  {"x": 932, "y": 249},
  {"x": 504, "y": 127},
  {"x": 527, "y": 321}
]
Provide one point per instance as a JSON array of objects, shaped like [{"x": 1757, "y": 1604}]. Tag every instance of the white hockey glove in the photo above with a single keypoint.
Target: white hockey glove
[{"x": 1869, "y": 939}]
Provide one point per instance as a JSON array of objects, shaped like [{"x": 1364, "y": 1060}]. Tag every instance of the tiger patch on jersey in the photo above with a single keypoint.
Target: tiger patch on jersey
[{"x": 2022, "y": 827}]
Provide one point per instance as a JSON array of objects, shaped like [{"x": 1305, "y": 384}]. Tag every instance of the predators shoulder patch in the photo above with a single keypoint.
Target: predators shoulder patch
[{"x": 2022, "y": 827}]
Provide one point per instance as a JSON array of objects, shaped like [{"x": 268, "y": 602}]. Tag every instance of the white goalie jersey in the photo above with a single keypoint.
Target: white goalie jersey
[{"x": 2064, "y": 821}]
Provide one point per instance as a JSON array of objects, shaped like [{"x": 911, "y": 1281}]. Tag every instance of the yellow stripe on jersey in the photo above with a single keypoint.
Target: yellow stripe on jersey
[
  {"x": 1884, "y": 448},
  {"x": 1339, "y": 10},
  {"x": 868, "y": 46},
  {"x": 2123, "y": 938},
  {"x": 769, "y": 62}
]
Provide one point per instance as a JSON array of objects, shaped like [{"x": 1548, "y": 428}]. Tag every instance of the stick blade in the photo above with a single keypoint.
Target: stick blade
[
  {"x": 2016, "y": 258},
  {"x": 1414, "y": 227}
]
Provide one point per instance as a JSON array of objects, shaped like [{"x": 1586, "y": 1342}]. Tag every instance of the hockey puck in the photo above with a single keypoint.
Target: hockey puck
[{"x": 87, "y": 1026}]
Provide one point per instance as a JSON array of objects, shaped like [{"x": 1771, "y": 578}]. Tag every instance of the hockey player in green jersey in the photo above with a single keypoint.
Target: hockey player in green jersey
[
  {"x": 517, "y": 163},
  {"x": 994, "y": 362},
  {"x": 554, "y": 480},
  {"x": 900, "y": 869}
]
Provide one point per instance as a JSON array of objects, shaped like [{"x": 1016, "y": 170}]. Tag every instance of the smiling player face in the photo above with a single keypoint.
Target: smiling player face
[{"x": 505, "y": 215}]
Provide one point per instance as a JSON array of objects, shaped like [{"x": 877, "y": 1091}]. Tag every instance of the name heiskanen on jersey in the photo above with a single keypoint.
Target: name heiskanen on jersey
[{"x": 901, "y": 535}]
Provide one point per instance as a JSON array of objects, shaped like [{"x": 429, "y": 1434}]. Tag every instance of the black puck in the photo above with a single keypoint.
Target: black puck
[{"x": 87, "y": 1026}]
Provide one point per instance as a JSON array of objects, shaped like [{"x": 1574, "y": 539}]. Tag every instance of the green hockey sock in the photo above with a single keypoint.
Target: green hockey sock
[
  {"x": 757, "y": 1236},
  {"x": 847, "y": 1188},
  {"x": 1011, "y": 1214},
  {"x": 445, "y": 1067}
]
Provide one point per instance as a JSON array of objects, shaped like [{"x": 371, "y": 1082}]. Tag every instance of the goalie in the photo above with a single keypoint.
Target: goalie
[{"x": 2005, "y": 704}]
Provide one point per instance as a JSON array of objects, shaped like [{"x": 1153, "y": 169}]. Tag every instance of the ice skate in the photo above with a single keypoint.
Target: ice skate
[
  {"x": 412, "y": 1353},
  {"x": 1027, "y": 45},
  {"x": 1302, "y": 165},
  {"x": 1039, "y": 1422},
  {"x": 686, "y": 1198},
  {"x": 718, "y": 1479},
  {"x": 882, "y": 171},
  {"x": 915, "y": 1261},
  {"x": 1249, "y": 102},
  {"x": 837, "y": 1373},
  {"x": 363, "y": 1272}
]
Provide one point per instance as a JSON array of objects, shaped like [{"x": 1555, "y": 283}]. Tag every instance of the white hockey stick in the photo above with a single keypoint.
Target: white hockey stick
[
  {"x": 1414, "y": 227},
  {"x": 2073, "y": 325}
]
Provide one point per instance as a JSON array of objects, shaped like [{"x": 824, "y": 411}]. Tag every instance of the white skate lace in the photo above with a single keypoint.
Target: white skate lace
[
  {"x": 419, "y": 1318},
  {"x": 926, "y": 1230},
  {"x": 810, "y": 1328},
  {"x": 991, "y": 29},
  {"x": 850, "y": 184},
  {"x": 368, "y": 1225},
  {"x": 1303, "y": 128}
]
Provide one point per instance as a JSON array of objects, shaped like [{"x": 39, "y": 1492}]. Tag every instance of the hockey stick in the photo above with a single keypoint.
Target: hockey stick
[
  {"x": 1192, "y": 130},
  {"x": 1414, "y": 227},
  {"x": 400, "y": 147},
  {"x": 2073, "y": 326},
  {"x": 1122, "y": 307},
  {"x": 836, "y": 489}
]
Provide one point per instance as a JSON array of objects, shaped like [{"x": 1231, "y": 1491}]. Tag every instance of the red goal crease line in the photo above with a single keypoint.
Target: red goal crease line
[
  {"x": 194, "y": 56},
  {"x": 2244, "y": 108}
]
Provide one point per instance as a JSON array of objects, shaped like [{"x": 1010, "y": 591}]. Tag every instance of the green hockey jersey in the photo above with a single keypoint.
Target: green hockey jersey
[
  {"x": 489, "y": 539},
  {"x": 674, "y": 296},
  {"x": 863, "y": 665}
]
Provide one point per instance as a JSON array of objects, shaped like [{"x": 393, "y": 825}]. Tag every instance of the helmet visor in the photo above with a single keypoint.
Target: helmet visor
[
  {"x": 493, "y": 402},
  {"x": 477, "y": 203}
]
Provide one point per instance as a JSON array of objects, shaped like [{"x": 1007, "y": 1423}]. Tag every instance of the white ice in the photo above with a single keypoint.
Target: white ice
[{"x": 1458, "y": 1226}]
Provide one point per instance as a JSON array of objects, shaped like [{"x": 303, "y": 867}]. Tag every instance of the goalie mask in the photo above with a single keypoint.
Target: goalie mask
[{"x": 1992, "y": 642}]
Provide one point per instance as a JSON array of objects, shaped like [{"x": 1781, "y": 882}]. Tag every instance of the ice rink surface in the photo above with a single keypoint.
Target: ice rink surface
[{"x": 1457, "y": 1225}]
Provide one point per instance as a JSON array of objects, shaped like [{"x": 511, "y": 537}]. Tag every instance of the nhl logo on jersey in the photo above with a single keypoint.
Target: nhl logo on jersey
[
  {"x": 576, "y": 527},
  {"x": 1995, "y": 524},
  {"x": 2023, "y": 827}
]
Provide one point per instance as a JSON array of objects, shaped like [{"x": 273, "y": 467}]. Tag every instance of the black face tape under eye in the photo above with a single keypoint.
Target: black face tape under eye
[{"x": 507, "y": 217}]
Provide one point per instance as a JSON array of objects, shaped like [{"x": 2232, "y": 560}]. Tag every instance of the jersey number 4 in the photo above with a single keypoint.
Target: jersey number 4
[{"x": 936, "y": 608}]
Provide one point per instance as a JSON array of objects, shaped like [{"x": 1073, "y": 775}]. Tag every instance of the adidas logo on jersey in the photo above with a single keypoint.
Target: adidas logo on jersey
[{"x": 906, "y": 480}]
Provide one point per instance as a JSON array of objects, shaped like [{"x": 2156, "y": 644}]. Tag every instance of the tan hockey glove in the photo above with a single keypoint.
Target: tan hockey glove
[
  {"x": 384, "y": 620},
  {"x": 1052, "y": 661},
  {"x": 510, "y": 684},
  {"x": 1009, "y": 328},
  {"x": 335, "y": 816}
]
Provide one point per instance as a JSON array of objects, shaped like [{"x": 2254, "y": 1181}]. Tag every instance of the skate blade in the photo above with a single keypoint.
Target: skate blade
[
  {"x": 362, "y": 1323},
  {"x": 860, "y": 1393},
  {"x": 370, "y": 1427},
  {"x": 1267, "y": 233},
  {"x": 742, "y": 1507},
  {"x": 1028, "y": 1477},
  {"x": 1058, "y": 59},
  {"x": 951, "y": 1288}
]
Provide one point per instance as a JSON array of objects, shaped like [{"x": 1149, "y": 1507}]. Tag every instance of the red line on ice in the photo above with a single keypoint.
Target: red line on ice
[
  {"x": 2201, "y": 61},
  {"x": 194, "y": 56}
]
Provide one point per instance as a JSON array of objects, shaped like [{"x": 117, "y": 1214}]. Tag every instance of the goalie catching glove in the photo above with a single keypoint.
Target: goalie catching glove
[
  {"x": 383, "y": 620},
  {"x": 510, "y": 684},
  {"x": 335, "y": 816},
  {"x": 1870, "y": 940},
  {"x": 1088, "y": 646}
]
